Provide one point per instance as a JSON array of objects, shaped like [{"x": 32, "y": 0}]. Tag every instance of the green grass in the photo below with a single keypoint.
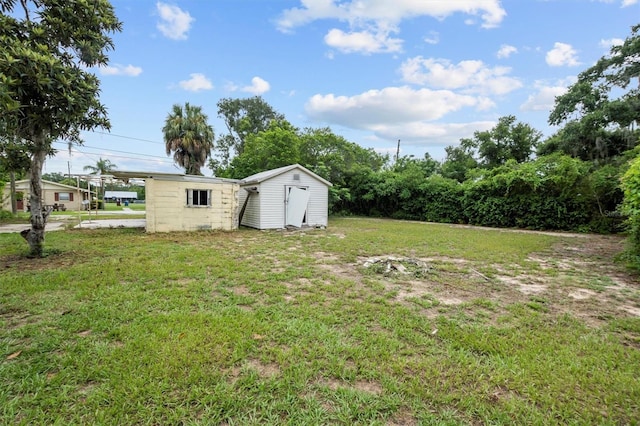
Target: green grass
[
  {"x": 131, "y": 206},
  {"x": 119, "y": 327}
]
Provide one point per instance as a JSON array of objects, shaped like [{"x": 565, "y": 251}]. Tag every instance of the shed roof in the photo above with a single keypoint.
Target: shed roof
[
  {"x": 120, "y": 194},
  {"x": 126, "y": 175},
  {"x": 268, "y": 174}
]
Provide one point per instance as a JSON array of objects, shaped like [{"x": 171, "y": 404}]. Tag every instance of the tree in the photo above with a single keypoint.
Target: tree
[
  {"x": 188, "y": 135},
  {"x": 335, "y": 158},
  {"x": 339, "y": 161},
  {"x": 13, "y": 160},
  {"x": 54, "y": 177},
  {"x": 600, "y": 102},
  {"x": 459, "y": 160},
  {"x": 46, "y": 91},
  {"x": 277, "y": 146},
  {"x": 242, "y": 117},
  {"x": 102, "y": 167},
  {"x": 507, "y": 140}
]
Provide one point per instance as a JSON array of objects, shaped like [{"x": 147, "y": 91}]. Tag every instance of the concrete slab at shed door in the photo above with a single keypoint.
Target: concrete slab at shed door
[{"x": 297, "y": 200}]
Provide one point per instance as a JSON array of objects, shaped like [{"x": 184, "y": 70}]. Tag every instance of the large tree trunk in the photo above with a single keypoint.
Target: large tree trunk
[
  {"x": 35, "y": 236},
  {"x": 14, "y": 204}
]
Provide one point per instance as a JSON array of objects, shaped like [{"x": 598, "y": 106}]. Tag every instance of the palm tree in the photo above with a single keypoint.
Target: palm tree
[
  {"x": 189, "y": 137},
  {"x": 102, "y": 167}
]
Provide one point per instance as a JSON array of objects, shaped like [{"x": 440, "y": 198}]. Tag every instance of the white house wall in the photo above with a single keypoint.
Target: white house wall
[
  {"x": 167, "y": 209},
  {"x": 48, "y": 195}
]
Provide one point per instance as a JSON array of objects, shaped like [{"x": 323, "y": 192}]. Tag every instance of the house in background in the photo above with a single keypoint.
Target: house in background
[
  {"x": 113, "y": 196},
  {"x": 178, "y": 202},
  {"x": 287, "y": 196},
  {"x": 53, "y": 193}
]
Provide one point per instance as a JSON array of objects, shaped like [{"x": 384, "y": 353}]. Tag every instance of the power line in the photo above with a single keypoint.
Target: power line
[
  {"x": 96, "y": 155},
  {"x": 127, "y": 137},
  {"x": 115, "y": 150}
]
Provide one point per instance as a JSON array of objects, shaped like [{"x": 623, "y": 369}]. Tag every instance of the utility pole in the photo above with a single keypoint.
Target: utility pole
[{"x": 398, "y": 151}]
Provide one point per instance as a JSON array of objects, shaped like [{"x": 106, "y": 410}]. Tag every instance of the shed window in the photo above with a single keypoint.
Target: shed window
[{"x": 198, "y": 197}]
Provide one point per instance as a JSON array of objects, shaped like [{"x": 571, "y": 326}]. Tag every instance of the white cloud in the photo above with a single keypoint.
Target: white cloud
[
  {"x": 544, "y": 98},
  {"x": 258, "y": 86},
  {"x": 421, "y": 133},
  {"x": 469, "y": 76},
  {"x": 371, "y": 21},
  {"x": 506, "y": 50},
  {"x": 230, "y": 86},
  {"x": 389, "y": 106},
  {"x": 432, "y": 38},
  {"x": 562, "y": 54},
  {"x": 117, "y": 69},
  {"x": 175, "y": 23},
  {"x": 609, "y": 43},
  {"x": 625, "y": 3},
  {"x": 401, "y": 113},
  {"x": 362, "y": 41},
  {"x": 196, "y": 83},
  {"x": 394, "y": 11}
]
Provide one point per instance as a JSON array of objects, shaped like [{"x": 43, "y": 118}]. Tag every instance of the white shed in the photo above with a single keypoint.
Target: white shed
[{"x": 287, "y": 196}]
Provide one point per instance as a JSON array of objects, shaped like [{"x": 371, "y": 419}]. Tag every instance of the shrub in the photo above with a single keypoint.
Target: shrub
[
  {"x": 443, "y": 200},
  {"x": 4, "y": 215},
  {"x": 631, "y": 205},
  {"x": 548, "y": 193}
]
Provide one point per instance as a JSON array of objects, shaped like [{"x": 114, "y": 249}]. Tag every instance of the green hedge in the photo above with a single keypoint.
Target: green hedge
[{"x": 554, "y": 192}]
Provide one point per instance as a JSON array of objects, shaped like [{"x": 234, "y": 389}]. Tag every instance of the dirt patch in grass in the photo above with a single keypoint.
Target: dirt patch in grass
[
  {"x": 264, "y": 370},
  {"x": 366, "y": 386},
  {"x": 402, "y": 417},
  {"x": 578, "y": 276},
  {"x": 51, "y": 260},
  {"x": 15, "y": 319}
]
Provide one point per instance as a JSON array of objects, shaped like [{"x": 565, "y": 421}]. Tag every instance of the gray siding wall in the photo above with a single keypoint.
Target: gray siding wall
[
  {"x": 251, "y": 216},
  {"x": 267, "y": 209},
  {"x": 272, "y": 202}
]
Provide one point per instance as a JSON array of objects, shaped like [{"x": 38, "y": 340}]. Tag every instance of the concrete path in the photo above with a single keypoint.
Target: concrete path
[
  {"x": 112, "y": 223},
  {"x": 58, "y": 223},
  {"x": 17, "y": 227}
]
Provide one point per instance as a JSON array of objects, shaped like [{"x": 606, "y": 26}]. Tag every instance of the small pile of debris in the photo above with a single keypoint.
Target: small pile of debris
[{"x": 391, "y": 265}]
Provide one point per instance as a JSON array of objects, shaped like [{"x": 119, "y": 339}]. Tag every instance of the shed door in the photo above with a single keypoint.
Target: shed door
[{"x": 297, "y": 200}]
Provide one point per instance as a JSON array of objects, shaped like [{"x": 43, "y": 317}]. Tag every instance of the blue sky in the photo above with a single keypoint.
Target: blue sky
[{"x": 427, "y": 72}]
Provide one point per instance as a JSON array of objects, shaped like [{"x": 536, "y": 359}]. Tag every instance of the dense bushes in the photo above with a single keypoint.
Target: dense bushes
[
  {"x": 553, "y": 192},
  {"x": 631, "y": 206},
  {"x": 548, "y": 193},
  {"x": 443, "y": 200}
]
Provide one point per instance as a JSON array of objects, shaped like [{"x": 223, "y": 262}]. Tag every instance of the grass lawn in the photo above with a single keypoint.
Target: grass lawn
[
  {"x": 461, "y": 326},
  {"x": 131, "y": 206}
]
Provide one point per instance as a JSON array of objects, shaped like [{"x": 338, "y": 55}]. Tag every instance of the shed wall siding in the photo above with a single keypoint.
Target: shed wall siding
[
  {"x": 167, "y": 208},
  {"x": 251, "y": 216},
  {"x": 269, "y": 211},
  {"x": 272, "y": 203}
]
